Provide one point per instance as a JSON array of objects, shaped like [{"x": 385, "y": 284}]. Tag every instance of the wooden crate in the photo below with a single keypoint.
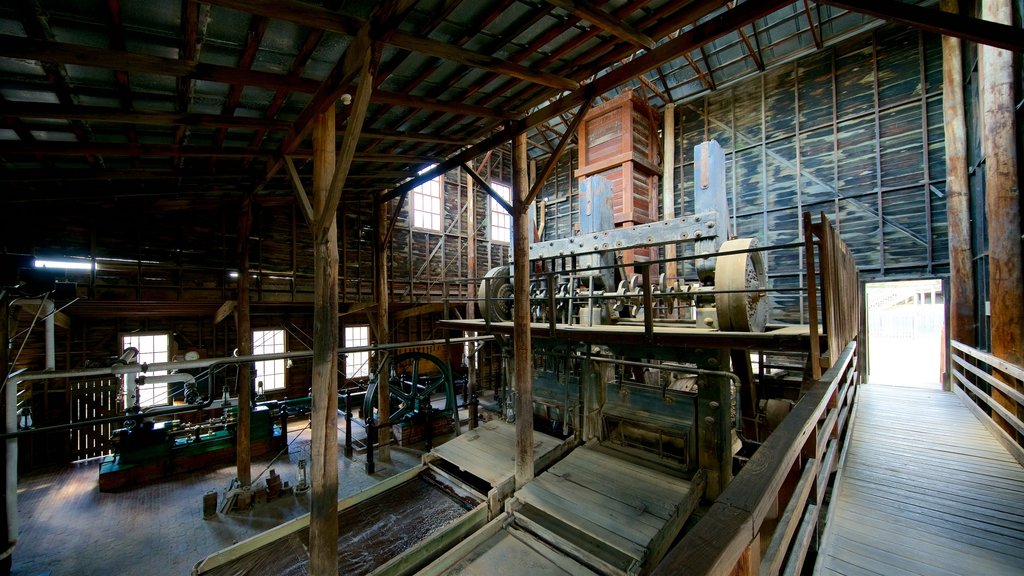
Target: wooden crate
[{"x": 619, "y": 142}]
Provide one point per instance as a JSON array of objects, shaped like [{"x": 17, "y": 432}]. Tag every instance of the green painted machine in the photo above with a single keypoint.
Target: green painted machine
[{"x": 146, "y": 450}]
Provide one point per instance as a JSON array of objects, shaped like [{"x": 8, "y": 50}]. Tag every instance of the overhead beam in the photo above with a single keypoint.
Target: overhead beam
[
  {"x": 549, "y": 168},
  {"x": 300, "y": 192},
  {"x": 60, "y": 52},
  {"x": 104, "y": 149},
  {"x": 606, "y": 22},
  {"x": 976, "y": 30},
  {"x": 487, "y": 188},
  {"x": 481, "y": 147},
  {"x": 713, "y": 29},
  {"x": 427, "y": 103},
  {"x": 315, "y": 17},
  {"x": 120, "y": 115},
  {"x": 359, "y": 55},
  {"x": 693, "y": 38},
  {"x": 414, "y": 137}
]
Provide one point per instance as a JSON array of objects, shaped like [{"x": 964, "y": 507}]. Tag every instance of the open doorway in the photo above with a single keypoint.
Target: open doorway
[{"x": 905, "y": 330}]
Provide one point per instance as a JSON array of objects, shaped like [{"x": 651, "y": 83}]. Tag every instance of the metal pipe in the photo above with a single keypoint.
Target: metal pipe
[
  {"x": 122, "y": 369},
  {"x": 668, "y": 366},
  {"x": 51, "y": 355}
]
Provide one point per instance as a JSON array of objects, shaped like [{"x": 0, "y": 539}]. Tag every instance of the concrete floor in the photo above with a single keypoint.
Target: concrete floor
[{"x": 67, "y": 527}]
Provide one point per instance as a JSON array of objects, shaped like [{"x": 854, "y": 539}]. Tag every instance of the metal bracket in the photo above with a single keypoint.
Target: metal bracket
[{"x": 684, "y": 229}]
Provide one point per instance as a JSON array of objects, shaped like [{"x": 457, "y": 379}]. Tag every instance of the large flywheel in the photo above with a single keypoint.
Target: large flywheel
[
  {"x": 495, "y": 295},
  {"x": 741, "y": 282},
  {"x": 415, "y": 380}
]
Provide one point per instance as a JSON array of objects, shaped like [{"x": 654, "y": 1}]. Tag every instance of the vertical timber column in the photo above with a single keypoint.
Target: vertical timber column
[
  {"x": 9, "y": 457},
  {"x": 668, "y": 183},
  {"x": 523, "y": 372},
  {"x": 958, "y": 201},
  {"x": 243, "y": 453},
  {"x": 1002, "y": 201},
  {"x": 323, "y": 520},
  {"x": 380, "y": 292},
  {"x": 471, "y": 290}
]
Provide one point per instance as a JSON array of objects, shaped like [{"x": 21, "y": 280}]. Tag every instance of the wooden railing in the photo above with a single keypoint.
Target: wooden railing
[
  {"x": 990, "y": 387},
  {"x": 766, "y": 520},
  {"x": 832, "y": 268},
  {"x": 774, "y": 502}
]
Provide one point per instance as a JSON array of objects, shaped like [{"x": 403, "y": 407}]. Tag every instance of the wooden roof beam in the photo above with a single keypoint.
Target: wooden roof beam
[
  {"x": 194, "y": 18},
  {"x": 426, "y": 103},
  {"x": 60, "y": 52},
  {"x": 812, "y": 25},
  {"x": 615, "y": 26},
  {"x": 932, "y": 20},
  {"x": 254, "y": 37},
  {"x": 755, "y": 54},
  {"x": 316, "y": 17},
  {"x": 552, "y": 162},
  {"x": 118, "y": 115},
  {"x": 693, "y": 38},
  {"x": 360, "y": 57}
]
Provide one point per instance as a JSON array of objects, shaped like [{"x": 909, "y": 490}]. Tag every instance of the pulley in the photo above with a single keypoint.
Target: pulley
[{"x": 740, "y": 284}]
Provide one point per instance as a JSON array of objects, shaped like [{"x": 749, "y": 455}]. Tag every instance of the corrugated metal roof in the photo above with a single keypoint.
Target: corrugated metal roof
[{"x": 220, "y": 86}]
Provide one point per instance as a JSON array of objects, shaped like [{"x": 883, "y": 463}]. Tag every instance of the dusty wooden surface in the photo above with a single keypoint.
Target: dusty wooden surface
[
  {"x": 925, "y": 489},
  {"x": 489, "y": 451},
  {"x": 609, "y": 515}
]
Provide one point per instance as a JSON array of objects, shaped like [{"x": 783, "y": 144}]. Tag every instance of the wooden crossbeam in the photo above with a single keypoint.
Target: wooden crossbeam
[
  {"x": 359, "y": 55},
  {"x": 606, "y": 22},
  {"x": 47, "y": 51},
  {"x": 487, "y": 188},
  {"x": 932, "y": 20},
  {"x": 549, "y": 168},
  {"x": 315, "y": 17}
]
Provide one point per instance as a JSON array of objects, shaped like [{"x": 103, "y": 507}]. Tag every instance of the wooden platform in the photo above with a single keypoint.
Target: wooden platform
[
  {"x": 590, "y": 513},
  {"x": 489, "y": 453},
  {"x": 924, "y": 489}
]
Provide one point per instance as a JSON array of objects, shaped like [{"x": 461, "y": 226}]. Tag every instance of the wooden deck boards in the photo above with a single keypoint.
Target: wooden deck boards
[
  {"x": 489, "y": 452},
  {"x": 609, "y": 515},
  {"x": 926, "y": 490}
]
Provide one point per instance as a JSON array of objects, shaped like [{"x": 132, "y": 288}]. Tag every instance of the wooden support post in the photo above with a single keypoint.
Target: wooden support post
[
  {"x": 9, "y": 448},
  {"x": 714, "y": 424},
  {"x": 1002, "y": 202},
  {"x": 243, "y": 453},
  {"x": 521, "y": 314},
  {"x": 323, "y": 521},
  {"x": 668, "y": 184},
  {"x": 383, "y": 322},
  {"x": 471, "y": 291},
  {"x": 958, "y": 202}
]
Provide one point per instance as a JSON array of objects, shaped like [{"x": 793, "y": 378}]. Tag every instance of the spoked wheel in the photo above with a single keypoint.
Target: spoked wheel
[
  {"x": 495, "y": 294},
  {"x": 414, "y": 378}
]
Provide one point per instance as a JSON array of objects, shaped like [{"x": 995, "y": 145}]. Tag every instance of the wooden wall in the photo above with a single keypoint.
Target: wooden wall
[{"x": 854, "y": 131}]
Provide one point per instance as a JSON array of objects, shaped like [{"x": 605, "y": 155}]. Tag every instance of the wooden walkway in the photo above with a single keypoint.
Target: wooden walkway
[{"x": 924, "y": 489}]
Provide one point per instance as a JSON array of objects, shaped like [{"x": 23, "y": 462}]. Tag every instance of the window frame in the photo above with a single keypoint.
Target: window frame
[
  {"x": 497, "y": 216},
  {"x": 149, "y": 394},
  {"x": 428, "y": 192},
  {"x": 273, "y": 368},
  {"x": 352, "y": 358}
]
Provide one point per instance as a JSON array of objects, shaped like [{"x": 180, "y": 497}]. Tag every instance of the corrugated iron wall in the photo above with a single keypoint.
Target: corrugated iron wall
[{"x": 854, "y": 132}]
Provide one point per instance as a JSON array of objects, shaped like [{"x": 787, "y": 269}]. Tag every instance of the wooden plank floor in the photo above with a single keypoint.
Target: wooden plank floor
[{"x": 925, "y": 489}]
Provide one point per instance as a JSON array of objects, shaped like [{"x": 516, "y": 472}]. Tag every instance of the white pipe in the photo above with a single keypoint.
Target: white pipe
[
  {"x": 11, "y": 459},
  {"x": 51, "y": 355},
  {"x": 120, "y": 369}
]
